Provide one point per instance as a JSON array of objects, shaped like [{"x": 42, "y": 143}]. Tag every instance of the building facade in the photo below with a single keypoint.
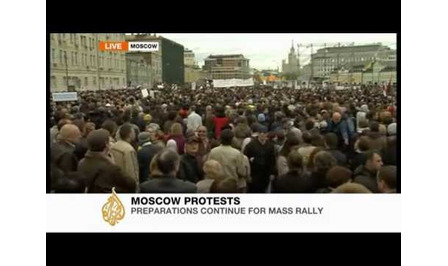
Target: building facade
[
  {"x": 227, "y": 66},
  {"x": 189, "y": 59},
  {"x": 376, "y": 72},
  {"x": 380, "y": 72},
  {"x": 76, "y": 63},
  {"x": 192, "y": 70},
  {"x": 138, "y": 70},
  {"x": 290, "y": 69},
  {"x": 154, "y": 59},
  {"x": 326, "y": 60}
]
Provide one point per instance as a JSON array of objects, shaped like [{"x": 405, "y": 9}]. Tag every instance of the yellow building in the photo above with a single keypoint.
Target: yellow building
[{"x": 76, "y": 62}]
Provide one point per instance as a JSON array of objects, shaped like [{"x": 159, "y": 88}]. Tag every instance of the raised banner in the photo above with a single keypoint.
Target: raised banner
[
  {"x": 145, "y": 93},
  {"x": 226, "y": 83},
  {"x": 64, "y": 96}
]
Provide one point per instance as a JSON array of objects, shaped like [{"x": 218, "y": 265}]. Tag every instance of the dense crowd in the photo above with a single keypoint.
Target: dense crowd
[{"x": 226, "y": 140}]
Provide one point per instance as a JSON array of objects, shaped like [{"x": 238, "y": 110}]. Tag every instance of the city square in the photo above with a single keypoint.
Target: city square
[{"x": 217, "y": 113}]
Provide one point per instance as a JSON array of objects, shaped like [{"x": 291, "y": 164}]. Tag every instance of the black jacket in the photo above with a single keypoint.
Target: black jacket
[
  {"x": 262, "y": 164},
  {"x": 63, "y": 156},
  {"x": 138, "y": 121},
  {"x": 366, "y": 178},
  {"x": 318, "y": 180},
  {"x": 167, "y": 184},
  {"x": 358, "y": 159},
  {"x": 292, "y": 182},
  {"x": 81, "y": 148},
  {"x": 144, "y": 156},
  {"x": 389, "y": 153},
  {"x": 189, "y": 169},
  {"x": 339, "y": 156}
]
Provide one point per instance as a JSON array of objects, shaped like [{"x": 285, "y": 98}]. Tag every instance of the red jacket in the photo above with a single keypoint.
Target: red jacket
[{"x": 219, "y": 123}]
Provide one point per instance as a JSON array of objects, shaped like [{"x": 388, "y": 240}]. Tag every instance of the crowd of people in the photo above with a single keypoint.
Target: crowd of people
[{"x": 226, "y": 140}]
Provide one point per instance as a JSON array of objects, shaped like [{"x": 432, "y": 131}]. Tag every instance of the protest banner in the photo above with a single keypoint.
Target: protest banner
[
  {"x": 145, "y": 93},
  {"x": 64, "y": 96}
]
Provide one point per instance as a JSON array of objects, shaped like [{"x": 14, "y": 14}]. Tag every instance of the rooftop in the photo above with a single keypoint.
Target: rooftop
[
  {"x": 355, "y": 48},
  {"x": 226, "y": 55}
]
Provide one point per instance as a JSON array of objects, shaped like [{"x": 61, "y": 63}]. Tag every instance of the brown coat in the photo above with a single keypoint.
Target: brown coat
[
  {"x": 101, "y": 174},
  {"x": 377, "y": 141},
  {"x": 125, "y": 157}
]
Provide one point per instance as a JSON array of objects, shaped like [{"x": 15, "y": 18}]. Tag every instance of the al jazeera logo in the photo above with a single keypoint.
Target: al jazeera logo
[{"x": 113, "y": 210}]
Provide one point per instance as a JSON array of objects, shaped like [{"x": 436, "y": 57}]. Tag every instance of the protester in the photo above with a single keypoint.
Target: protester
[
  {"x": 204, "y": 145},
  {"x": 362, "y": 118},
  {"x": 219, "y": 121},
  {"x": 351, "y": 188},
  {"x": 176, "y": 139},
  {"x": 190, "y": 169},
  {"x": 111, "y": 126},
  {"x": 323, "y": 162},
  {"x": 340, "y": 128},
  {"x": 167, "y": 164},
  {"x": 261, "y": 154},
  {"x": 336, "y": 176},
  {"x": 231, "y": 159},
  {"x": 295, "y": 180},
  {"x": 292, "y": 142},
  {"x": 387, "y": 179},
  {"x": 377, "y": 140},
  {"x": 145, "y": 154},
  {"x": 194, "y": 120},
  {"x": 306, "y": 147},
  {"x": 213, "y": 172},
  {"x": 331, "y": 142},
  {"x": 367, "y": 174},
  {"x": 124, "y": 153},
  {"x": 361, "y": 147},
  {"x": 63, "y": 151},
  {"x": 101, "y": 174},
  {"x": 85, "y": 129}
]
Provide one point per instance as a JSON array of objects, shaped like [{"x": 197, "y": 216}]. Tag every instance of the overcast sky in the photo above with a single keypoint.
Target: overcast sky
[{"x": 268, "y": 50}]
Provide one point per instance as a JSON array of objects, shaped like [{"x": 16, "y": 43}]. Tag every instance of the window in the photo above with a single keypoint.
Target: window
[
  {"x": 65, "y": 57},
  {"x": 53, "y": 82},
  {"x": 53, "y": 55},
  {"x": 94, "y": 81},
  {"x": 86, "y": 81},
  {"x": 76, "y": 58},
  {"x": 71, "y": 38}
]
